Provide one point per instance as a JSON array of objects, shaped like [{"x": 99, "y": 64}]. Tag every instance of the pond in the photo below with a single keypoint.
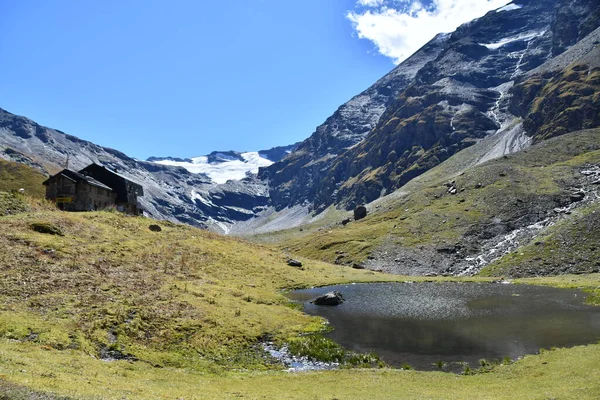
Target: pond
[{"x": 422, "y": 324}]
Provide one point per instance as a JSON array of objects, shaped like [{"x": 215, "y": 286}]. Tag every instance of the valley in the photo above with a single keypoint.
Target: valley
[{"x": 475, "y": 165}]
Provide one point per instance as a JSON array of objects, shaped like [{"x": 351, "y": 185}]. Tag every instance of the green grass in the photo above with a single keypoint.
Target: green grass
[
  {"x": 186, "y": 310},
  {"x": 14, "y": 176},
  {"x": 181, "y": 297},
  {"x": 562, "y": 373}
]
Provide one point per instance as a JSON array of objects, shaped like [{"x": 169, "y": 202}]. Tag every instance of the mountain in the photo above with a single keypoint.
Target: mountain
[
  {"x": 458, "y": 89},
  {"x": 519, "y": 75},
  {"x": 171, "y": 191}
]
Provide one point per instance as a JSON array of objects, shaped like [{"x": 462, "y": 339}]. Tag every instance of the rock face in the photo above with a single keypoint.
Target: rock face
[
  {"x": 448, "y": 95},
  {"x": 329, "y": 299},
  {"x": 294, "y": 179}
]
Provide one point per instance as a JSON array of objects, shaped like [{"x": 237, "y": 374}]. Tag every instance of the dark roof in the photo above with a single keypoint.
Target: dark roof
[
  {"x": 126, "y": 190},
  {"x": 78, "y": 177}
]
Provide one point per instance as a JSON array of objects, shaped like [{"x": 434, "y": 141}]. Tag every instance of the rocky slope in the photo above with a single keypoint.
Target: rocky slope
[
  {"x": 170, "y": 192},
  {"x": 455, "y": 91},
  {"x": 534, "y": 212}
]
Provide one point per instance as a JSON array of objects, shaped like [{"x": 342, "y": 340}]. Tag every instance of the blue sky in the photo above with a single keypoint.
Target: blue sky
[{"x": 186, "y": 77}]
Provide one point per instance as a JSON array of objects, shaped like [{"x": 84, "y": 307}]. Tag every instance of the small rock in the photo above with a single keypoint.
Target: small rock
[
  {"x": 329, "y": 299},
  {"x": 431, "y": 274},
  {"x": 45, "y": 227},
  {"x": 346, "y": 221},
  {"x": 360, "y": 212},
  {"x": 155, "y": 228},
  {"x": 358, "y": 266},
  {"x": 294, "y": 263},
  {"x": 577, "y": 196},
  {"x": 452, "y": 190}
]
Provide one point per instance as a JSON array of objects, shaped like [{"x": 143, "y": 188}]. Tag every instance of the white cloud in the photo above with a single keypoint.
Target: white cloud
[
  {"x": 398, "y": 28},
  {"x": 371, "y": 3}
]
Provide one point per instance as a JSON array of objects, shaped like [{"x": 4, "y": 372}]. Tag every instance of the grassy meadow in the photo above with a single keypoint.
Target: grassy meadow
[{"x": 96, "y": 305}]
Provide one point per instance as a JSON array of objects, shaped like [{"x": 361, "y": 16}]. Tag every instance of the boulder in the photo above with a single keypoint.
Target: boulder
[
  {"x": 329, "y": 299},
  {"x": 360, "y": 212},
  {"x": 155, "y": 228},
  {"x": 46, "y": 227},
  {"x": 577, "y": 196},
  {"x": 294, "y": 263}
]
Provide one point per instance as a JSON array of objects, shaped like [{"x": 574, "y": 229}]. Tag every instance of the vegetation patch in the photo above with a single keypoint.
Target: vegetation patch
[{"x": 319, "y": 348}]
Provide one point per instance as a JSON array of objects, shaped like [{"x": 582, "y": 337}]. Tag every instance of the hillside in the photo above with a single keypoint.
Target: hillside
[
  {"x": 497, "y": 206},
  {"x": 15, "y": 176},
  {"x": 109, "y": 286},
  {"x": 108, "y": 306}
]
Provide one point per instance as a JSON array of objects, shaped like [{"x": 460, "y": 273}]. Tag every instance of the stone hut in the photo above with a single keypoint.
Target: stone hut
[
  {"x": 93, "y": 188},
  {"x": 73, "y": 191}
]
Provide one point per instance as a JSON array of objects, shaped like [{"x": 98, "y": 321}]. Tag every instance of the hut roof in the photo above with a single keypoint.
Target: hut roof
[{"x": 78, "y": 177}]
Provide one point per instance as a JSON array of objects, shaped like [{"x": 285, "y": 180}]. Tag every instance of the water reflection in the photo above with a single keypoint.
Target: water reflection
[{"x": 423, "y": 323}]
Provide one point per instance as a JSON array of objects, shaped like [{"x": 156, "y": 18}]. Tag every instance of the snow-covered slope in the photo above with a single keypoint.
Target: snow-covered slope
[{"x": 221, "y": 167}]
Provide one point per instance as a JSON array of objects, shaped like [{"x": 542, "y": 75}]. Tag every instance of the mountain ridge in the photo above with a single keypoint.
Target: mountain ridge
[
  {"x": 454, "y": 100},
  {"x": 171, "y": 192}
]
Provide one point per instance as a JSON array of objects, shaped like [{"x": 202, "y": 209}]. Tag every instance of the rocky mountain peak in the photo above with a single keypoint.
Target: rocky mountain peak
[{"x": 451, "y": 93}]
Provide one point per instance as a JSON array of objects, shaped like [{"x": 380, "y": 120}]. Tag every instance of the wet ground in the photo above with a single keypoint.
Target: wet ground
[{"x": 422, "y": 324}]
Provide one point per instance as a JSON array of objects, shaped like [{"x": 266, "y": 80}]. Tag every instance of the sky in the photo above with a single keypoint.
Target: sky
[{"x": 183, "y": 78}]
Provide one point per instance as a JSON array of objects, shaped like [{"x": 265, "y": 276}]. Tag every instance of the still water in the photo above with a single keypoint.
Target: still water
[{"x": 423, "y": 323}]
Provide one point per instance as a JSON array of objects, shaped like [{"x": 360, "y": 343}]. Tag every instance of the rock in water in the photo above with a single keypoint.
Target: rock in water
[
  {"x": 294, "y": 263},
  {"x": 329, "y": 299},
  {"x": 360, "y": 212}
]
